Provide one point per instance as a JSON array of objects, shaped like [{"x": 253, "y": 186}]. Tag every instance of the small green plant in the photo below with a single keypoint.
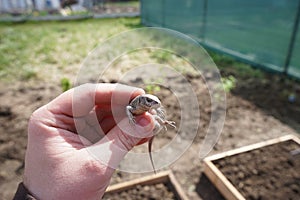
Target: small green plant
[
  {"x": 161, "y": 55},
  {"x": 65, "y": 84},
  {"x": 152, "y": 88},
  {"x": 229, "y": 83}
]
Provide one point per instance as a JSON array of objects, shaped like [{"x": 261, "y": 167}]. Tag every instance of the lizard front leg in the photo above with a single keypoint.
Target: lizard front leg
[{"x": 130, "y": 115}]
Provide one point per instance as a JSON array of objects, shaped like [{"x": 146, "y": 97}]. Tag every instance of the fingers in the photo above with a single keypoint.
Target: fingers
[
  {"x": 79, "y": 101},
  {"x": 107, "y": 124},
  {"x": 121, "y": 139},
  {"x": 117, "y": 111},
  {"x": 98, "y": 122},
  {"x": 93, "y": 129}
]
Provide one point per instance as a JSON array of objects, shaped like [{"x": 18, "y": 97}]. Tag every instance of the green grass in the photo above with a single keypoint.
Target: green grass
[
  {"x": 45, "y": 50},
  {"x": 55, "y": 50},
  {"x": 123, "y": 4},
  {"x": 32, "y": 49},
  {"x": 228, "y": 66}
]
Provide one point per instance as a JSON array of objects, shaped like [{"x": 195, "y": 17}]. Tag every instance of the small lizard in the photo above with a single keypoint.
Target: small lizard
[{"x": 148, "y": 103}]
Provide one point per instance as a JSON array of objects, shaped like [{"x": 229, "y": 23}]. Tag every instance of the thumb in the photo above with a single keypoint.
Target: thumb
[{"x": 111, "y": 149}]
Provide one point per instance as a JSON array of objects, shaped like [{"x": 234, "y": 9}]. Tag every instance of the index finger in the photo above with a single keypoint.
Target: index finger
[{"x": 80, "y": 100}]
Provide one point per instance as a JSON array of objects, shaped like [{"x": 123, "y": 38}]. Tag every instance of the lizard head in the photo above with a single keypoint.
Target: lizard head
[{"x": 150, "y": 101}]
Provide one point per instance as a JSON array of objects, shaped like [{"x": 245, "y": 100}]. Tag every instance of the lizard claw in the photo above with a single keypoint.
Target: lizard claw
[
  {"x": 171, "y": 123},
  {"x": 132, "y": 121}
]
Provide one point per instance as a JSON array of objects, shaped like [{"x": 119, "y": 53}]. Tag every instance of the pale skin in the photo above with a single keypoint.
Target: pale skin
[{"x": 58, "y": 165}]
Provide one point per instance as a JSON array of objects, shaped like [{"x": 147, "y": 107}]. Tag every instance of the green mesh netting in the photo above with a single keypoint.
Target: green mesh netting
[
  {"x": 294, "y": 67},
  {"x": 257, "y": 31}
]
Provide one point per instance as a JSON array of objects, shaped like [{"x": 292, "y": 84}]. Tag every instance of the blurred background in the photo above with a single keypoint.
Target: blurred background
[
  {"x": 66, "y": 7},
  {"x": 262, "y": 33}
]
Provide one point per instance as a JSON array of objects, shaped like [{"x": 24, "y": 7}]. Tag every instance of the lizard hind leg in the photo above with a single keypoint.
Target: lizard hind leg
[
  {"x": 171, "y": 123},
  {"x": 161, "y": 112},
  {"x": 164, "y": 122},
  {"x": 157, "y": 127}
]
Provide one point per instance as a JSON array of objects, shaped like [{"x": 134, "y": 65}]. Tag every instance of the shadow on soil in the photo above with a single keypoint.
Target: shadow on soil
[
  {"x": 275, "y": 94},
  {"x": 206, "y": 190}
]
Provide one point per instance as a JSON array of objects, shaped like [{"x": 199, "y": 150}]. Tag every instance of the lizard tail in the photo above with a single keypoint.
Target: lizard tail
[{"x": 150, "y": 152}]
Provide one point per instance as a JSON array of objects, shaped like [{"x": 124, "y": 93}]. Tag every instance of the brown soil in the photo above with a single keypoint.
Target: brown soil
[
  {"x": 257, "y": 109},
  {"x": 158, "y": 191},
  {"x": 270, "y": 172}
]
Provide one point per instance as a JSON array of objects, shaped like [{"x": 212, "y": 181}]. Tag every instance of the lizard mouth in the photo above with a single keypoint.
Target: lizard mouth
[{"x": 155, "y": 106}]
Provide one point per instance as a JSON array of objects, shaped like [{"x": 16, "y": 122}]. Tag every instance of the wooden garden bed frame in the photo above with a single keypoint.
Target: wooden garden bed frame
[
  {"x": 219, "y": 179},
  {"x": 162, "y": 177}
]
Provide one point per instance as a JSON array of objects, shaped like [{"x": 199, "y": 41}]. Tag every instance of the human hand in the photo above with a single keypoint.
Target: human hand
[{"x": 64, "y": 160}]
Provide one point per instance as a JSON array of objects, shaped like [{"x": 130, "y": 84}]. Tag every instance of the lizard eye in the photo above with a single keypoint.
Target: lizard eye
[{"x": 150, "y": 101}]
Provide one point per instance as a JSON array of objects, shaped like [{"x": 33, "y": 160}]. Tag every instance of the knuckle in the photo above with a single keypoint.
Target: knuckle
[
  {"x": 36, "y": 115},
  {"x": 94, "y": 167}
]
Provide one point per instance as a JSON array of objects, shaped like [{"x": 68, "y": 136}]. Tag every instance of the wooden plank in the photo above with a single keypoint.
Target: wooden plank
[
  {"x": 250, "y": 147},
  {"x": 221, "y": 182},
  {"x": 296, "y": 139},
  {"x": 218, "y": 178},
  {"x": 161, "y": 177},
  {"x": 177, "y": 187}
]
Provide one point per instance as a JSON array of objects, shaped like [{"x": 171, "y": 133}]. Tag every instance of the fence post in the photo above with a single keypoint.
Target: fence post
[
  {"x": 142, "y": 13},
  {"x": 292, "y": 41}
]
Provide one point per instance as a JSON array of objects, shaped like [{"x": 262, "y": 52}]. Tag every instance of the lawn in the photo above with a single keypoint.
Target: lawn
[
  {"x": 53, "y": 51},
  {"x": 39, "y": 49}
]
